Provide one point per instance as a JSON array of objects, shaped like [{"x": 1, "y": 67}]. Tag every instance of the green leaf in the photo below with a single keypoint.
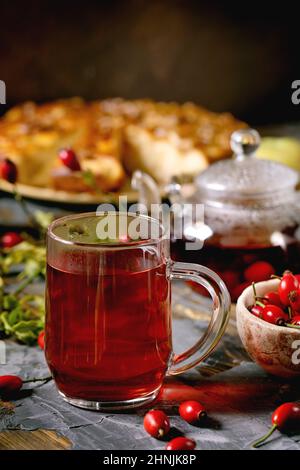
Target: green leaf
[
  {"x": 27, "y": 331},
  {"x": 15, "y": 316},
  {"x": 22, "y": 314},
  {"x": 89, "y": 179},
  {"x": 36, "y": 301},
  {"x": 32, "y": 268},
  {"x": 6, "y": 327},
  {"x": 10, "y": 301},
  {"x": 23, "y": 253}
]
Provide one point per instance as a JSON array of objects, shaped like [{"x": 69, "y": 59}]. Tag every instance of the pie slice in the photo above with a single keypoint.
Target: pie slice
[{"x": 163, "y": 156}]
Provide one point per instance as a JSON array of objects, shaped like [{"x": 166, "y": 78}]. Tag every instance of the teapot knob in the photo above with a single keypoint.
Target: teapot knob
[{"x": 244, "y": 142}]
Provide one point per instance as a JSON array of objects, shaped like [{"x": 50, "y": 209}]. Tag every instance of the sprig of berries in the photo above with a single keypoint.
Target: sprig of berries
[
  {"x": 10, "y": 385},
  {"x": 286, "y": 418}
]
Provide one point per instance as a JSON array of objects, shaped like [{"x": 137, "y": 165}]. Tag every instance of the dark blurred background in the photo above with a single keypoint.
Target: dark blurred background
[{"x": 226, "y": 57}]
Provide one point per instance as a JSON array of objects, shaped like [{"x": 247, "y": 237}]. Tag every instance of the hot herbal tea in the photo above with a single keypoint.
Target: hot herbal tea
[{"x": 108, "y": 334}]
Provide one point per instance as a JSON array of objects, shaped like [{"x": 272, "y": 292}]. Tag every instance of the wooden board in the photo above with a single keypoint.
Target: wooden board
[{"x": 41, "y": 439}]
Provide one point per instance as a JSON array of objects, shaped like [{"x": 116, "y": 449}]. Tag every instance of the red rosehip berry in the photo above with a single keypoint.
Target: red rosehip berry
[
  {"x": 287, "y": 284},
  {"x": 10, "y": 239},
  {"x": 192, "y": 411},
  {"x": 294, "y": 298},
  {"x": 8, "y": 171},
  {"x": 275, "y": 315},
  {"x": 181, "y": 443},
  {"x": 286, "y": 418},
  {"x": 259, "y": 271},
  {"x": 41, "y": 340},
  {"x": 295, "y": 320},
  {"x": 272, "y": 298},
  {"x": 257, "y": 310},
  {"x": 156, "y": 423},
  {"x": 69, "y": 159},
  {"x": 10, "y": 385}
]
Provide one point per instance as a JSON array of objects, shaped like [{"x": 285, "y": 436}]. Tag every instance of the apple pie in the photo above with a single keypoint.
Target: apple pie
[{"x": 112, "y": 138}]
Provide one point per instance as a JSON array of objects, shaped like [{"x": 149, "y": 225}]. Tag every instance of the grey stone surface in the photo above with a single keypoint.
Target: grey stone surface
[
  {"x": 11, "y": 213},
  {"x": 239, "y": 396}
]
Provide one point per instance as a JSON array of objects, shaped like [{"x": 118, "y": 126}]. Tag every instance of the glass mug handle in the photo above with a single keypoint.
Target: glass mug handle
[{"x": 219, "y": 319}]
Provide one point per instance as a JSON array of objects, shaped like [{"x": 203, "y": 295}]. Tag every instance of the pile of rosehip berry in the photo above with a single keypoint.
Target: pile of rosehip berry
[
  {"x": 157, "y": 424},
  {"x": 282, "y": 307}
]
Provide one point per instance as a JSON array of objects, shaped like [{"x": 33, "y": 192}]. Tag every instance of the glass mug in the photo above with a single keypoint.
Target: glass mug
[{"x": 108, "y": 312}]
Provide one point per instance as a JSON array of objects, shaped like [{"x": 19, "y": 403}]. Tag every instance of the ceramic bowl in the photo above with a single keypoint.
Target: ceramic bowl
[{"x": 275, "y": 348}]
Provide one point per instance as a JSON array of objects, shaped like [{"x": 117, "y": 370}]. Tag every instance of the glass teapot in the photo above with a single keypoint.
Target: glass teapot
[{"x": 251, "y": 215}]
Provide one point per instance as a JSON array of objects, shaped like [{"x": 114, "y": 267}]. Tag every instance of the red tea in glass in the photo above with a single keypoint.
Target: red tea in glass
[
  {"x": 108, "y": 325},
  {"x": 111, "y": 334}
]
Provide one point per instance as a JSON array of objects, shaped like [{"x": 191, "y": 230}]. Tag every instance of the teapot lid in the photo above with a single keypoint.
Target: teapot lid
[{"x": 244, "y": 175}]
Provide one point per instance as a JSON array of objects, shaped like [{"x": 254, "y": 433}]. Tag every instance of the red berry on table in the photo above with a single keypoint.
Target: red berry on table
[
  {"x": 156, "y": 423},
  {"x": 181, "y": 443},
  {"x": 41, "y": 340},
  {"x": 287, "y": 284},
  {"x": 275, "y": 315},
  {"x": 8, "y": 171},
  {"x": 10, "y": 239},
  {"x": 10, "y": 385},
  {"x": 294, "y": 298},
  {"x": 257, "y": 310},
  {"x": 69, "y": 159},
  {"x": 273, "y": 298},
  {"x": 192, "y": 411},
  {"x": 259, "y": 271},
  {"x": 286, "y": 418}
]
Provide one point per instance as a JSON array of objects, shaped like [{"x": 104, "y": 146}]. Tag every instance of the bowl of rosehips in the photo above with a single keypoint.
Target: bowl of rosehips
[{"x": 268, "y": 322}]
